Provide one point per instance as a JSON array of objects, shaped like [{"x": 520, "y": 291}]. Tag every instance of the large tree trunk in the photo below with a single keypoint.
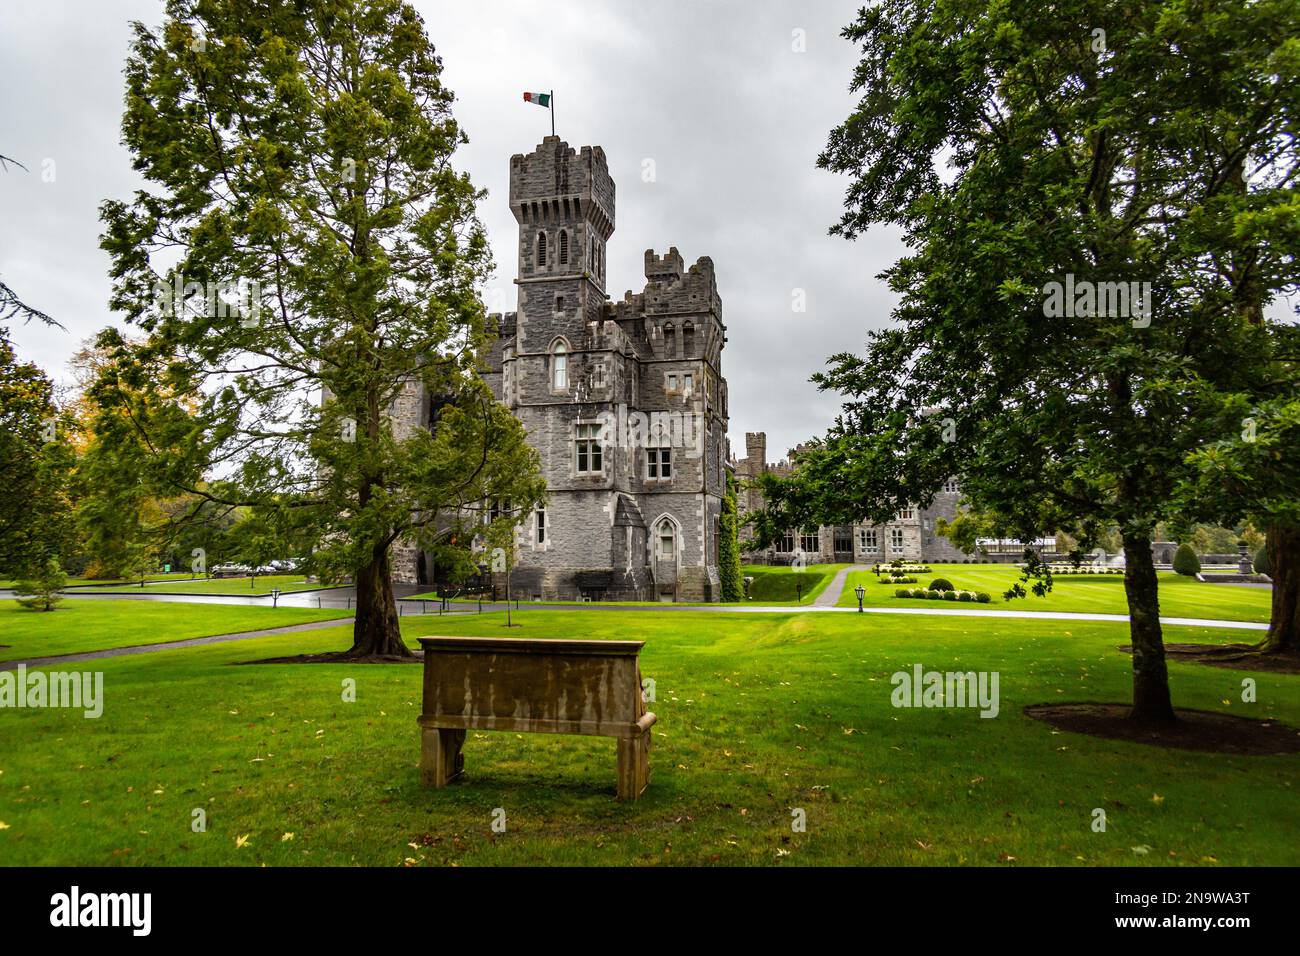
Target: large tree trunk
[
  {"x": 1151, "y": 702},
  {"x": 1283, "y": 546},
  {"x": 376, "y": 629}
]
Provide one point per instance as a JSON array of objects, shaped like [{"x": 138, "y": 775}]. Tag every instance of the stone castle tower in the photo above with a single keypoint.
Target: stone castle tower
[{"x": 625, "y": 402}]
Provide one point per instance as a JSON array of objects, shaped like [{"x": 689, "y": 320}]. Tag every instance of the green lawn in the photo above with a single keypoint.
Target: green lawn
[
  {"x": 759, "y": 715},
  {"x": 173, "y": 576},
  {"x": 1179, "y": 596},
  {"x": 77, "y": 626},
  {"x": 262, "y": 584},
  {"x": 772, "y": 585}
]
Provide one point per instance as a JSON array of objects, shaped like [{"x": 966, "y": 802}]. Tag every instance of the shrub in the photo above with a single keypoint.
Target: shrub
[
  {"x": 982, "y": 597},
  {"x": 933, "y": 595},
  {"x": 941, "y": 584},
  {"x": 1185, "y": 561},
  {"x": 40, "y": 592},
  {"x": 949, "y": 595},
  {"x": 965, "y": 596},
  {"x": 1262, "y": 565},
  {"x": 903, "y": 592}
]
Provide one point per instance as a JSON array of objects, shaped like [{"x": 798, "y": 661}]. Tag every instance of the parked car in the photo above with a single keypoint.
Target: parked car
[{"x": 231, "y": 571}]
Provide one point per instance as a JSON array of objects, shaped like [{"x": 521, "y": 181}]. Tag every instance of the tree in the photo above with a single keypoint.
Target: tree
[
  {"x": 731, "y": 581},
  {"x": 1256, "y": 473},
  {"x": 1186, "y": 562},
  {"x": 40, "y": 592},
  {"x": 1068, "y": 329},
  {"x": 299, "y": 162},
  {"x": 36, "y": 461}
]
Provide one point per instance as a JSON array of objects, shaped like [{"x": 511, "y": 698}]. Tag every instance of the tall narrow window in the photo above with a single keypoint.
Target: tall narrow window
[
  {"x": 587, "y": 450},
  {"x": 560, "y": 367},
  {"x": 896, "y": 541},
  {"x": 541, "y": 248},
  {"x": 809, "y": 543},
  {"x": 688, "y": 340},
  {"x": 541, "y": 525},
  {"x": 564, "y": 247},
  {"x": 667, "y": 539},
  {"x": 670, "y": 341}
]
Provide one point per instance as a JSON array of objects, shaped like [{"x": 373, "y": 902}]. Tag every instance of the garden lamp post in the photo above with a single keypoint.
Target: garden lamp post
[
  {"x": 861, "y": 592},
  {"x": 275, "y": 597}
]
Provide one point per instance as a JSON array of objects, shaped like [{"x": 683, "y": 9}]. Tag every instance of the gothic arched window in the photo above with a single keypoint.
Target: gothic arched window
[
  {"x": 564, "y": 247},
  {"x": 560, "y": 366}
]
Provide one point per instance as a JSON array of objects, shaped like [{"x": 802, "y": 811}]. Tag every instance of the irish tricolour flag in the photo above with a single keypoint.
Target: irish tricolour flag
[{"x": 541, "y": 99}]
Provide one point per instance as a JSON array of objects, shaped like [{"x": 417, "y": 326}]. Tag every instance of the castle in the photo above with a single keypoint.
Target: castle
[
  {"x": 911, "y": 536},
  {"x": 625, "y": 402}
]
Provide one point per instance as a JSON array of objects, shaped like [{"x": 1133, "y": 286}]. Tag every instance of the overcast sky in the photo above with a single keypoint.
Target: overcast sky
[{"x": 727, "y": 99}]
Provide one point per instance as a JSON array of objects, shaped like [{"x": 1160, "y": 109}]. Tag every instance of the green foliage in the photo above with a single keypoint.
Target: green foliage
[
  {"x": 40, "y": 592},
  {"x": 1186, "y": 562},
  {"x": 301, "y": 160},
  {"x": 1261, "y": 563},
  {"x": 35, "y": 508},
  {"x": 941, "y": 584},
  {"x": 730, "y": 578}
]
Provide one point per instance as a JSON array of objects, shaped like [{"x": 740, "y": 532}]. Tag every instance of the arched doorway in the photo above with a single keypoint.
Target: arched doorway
[{"x": 665, "y": 544}]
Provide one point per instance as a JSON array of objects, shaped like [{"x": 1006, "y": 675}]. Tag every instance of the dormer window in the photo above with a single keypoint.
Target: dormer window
[{"x": 541, "y": 249}]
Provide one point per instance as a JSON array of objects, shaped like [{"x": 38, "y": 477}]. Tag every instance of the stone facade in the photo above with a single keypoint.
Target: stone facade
[
  {"x": 911, "y": 536},
  {"x": 625, "y": 402}
]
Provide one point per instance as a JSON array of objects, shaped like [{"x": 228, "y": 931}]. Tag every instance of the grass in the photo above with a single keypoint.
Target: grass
[
  {"x": 759, "y": 715},
  {"x": 262, "y": 584},
  {"x": 76, "y": 626},
  {"x": 75, "y": 581},
  {"x": 1104, "y": 594},
  {"x": 772, "y": 584}
]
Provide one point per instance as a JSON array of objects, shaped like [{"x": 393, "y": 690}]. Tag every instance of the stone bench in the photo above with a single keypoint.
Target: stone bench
[{"x": 533, "y": 686}]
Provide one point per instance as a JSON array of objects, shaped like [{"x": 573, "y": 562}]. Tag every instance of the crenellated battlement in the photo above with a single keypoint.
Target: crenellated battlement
[{"x": 557, "y": 183}]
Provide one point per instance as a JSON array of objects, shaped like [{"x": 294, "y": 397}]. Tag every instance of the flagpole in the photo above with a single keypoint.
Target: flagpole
[{"x": 552, "y": 112}]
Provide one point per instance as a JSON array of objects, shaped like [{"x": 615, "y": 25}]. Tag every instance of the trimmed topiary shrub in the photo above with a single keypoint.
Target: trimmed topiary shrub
[
  {"x": 941, "y": 584},
  {"x": 982, "y": 597},
  {"x": 949, "y": 595},
  {"x": 903, "y": 592},
  {"x": 1262, "y": 565},
  {"x": 1185, "y": 561}
]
